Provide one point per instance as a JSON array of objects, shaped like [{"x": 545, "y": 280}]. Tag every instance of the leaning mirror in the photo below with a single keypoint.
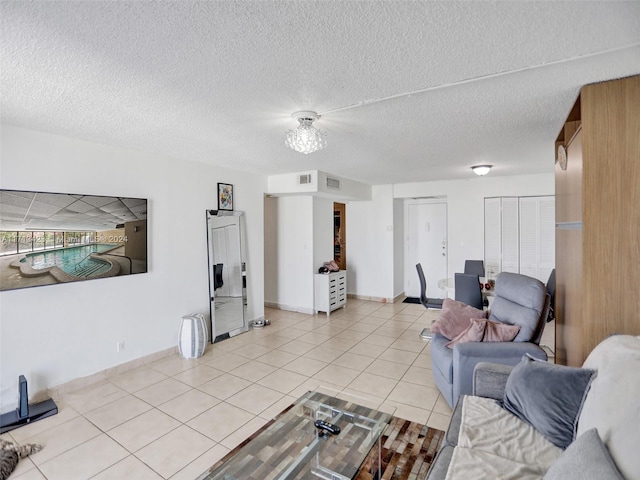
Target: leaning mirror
[{"x": 227, "y": 274}]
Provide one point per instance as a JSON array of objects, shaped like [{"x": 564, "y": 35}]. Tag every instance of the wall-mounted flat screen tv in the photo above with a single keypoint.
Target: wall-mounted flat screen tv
[{"x": 51, "y": 238}]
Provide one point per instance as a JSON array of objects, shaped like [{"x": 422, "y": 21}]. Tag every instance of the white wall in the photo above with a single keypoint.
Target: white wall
[
  {"x": 322, "y": 232},
  {"x": 54, "y": 334},
  {"x": 289, "y": 280},
  {"x": 398, "y": 247},
  {"x": 370, "y": 245},
  {"x": 465, "y": 207}
]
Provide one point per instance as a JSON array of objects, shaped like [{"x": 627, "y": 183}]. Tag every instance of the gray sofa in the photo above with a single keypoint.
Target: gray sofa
[
  {"x": 519, "y": 300},
  {"x": 602, "y": 433}
]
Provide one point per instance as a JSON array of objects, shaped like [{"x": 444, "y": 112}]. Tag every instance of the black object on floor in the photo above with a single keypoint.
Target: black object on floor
[
  {"x": 26, "y": 413},
  {"x": 411, "y": 300}
]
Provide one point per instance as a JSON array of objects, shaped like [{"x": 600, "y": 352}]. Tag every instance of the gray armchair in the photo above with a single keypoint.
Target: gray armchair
[{"x": 519, "y": 300}]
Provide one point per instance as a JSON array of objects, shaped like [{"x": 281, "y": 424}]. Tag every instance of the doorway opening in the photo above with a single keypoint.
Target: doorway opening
[{"x": 340, "y": 235}]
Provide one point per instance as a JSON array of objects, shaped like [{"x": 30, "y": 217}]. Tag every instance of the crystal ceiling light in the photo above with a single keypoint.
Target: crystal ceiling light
[
  {"x": 481, "y": 169},
  {"x": 306, "y": 138}
]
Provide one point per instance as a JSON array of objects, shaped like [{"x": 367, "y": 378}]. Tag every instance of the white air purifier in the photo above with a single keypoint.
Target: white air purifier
[{"x": 193, "y": 336}]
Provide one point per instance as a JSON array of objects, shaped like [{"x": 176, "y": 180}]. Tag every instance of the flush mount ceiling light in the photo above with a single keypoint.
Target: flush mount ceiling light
[
  {"x": 481, "y": 169},
  {"x": 306, "y": 138}
]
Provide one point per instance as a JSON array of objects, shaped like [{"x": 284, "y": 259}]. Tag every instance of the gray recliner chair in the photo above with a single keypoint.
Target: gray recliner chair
[{"x": 519, "y": 300}]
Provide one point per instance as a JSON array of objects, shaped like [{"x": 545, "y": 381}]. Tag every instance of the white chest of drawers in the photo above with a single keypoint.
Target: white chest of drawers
[{"x": 330, "y": 290}]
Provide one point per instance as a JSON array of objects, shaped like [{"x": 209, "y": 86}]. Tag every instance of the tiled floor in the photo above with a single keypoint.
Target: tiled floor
[{"x": 174, "y": 418}]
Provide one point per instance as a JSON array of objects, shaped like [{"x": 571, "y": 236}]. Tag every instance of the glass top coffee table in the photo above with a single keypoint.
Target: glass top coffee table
[{"x": 293, "y": 448}]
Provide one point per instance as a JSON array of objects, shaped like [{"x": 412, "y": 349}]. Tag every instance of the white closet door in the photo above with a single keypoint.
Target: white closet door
[
  {"x": 510, "y": 235},
  {"x": 547, "y": 214},
  {"x": 492, "y": 237},
  {"x": 529, "y": 238}
]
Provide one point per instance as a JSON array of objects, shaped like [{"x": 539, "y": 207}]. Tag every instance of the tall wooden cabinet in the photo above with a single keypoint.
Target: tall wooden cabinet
[{"x": 598, "y": 219}]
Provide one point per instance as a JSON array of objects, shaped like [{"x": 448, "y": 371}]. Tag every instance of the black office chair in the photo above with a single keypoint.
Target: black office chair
[
  {"x": 551, "y": 290},
  {"x": 217, "y": 276},
  {"x": 474, "y": 267},
  {"x": 468, "y": 290},
  {"x": 427, "y": 302}
]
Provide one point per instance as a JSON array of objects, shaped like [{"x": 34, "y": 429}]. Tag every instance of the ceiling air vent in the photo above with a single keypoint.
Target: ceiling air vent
[
  {"x": 304, "y": 179},
  {"x": 333, "y": 183}
]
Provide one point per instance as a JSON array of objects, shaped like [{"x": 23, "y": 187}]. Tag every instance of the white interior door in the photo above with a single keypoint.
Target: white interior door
[{"x": 427, "y": 245}]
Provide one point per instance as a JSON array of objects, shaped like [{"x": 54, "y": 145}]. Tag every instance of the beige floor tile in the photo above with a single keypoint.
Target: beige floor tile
[
  {"x": 439, "y": 421},
  {"x": 198, "y": 375},
  {"x": 277, "y": 358},
  {"x": 252, "y": 351},
  {"x": 115, "y": 413},
  {"x": 381, "y": 341},
  {"x": 314, "y": 338},
  {"x": 314, "y": 384},
  {"x": 442, "y": 406},
  {"x": 143, "y": 430},
  {"x": 244, "y": 432},
  {"x": 364, "y": 327},
  {"x": 366, "y": 349},
  {"x": 173, "y": 364},
  {"x": 278, "y": 407},
  {"x": 373, "y": 384},
  {"x": 305, "y": 366},
  {"x": 297, "y": 347},
  {"x": 414, "y": 395},
  {"x": 337, "y": 375},
  {"x": 354, "y": 361},
  {"x": 227, "y": 362},
  {"x": 366, "y": 399},
  {"x": 219, "y": 422},
  {"x": 65, "y": 413},
  {"x": 62, "y": 438},
  {"x": 137, "y": 379},
  {"x": 32, "y": 474},
  {"x": 387, "y": 369},
  {"x": 291, "y": 333},
  {"x": 255, "y": 399},
  {"x": 272, "y": 341},
  {"x": 224, "y": 386},
  {"x": 85, "y": 460},
  {"x": 398, "y": 356},
  {"x": 390, "y": 332},
  {"x": 93, "y": 397},
  {"x": 415, "y": 414},
  {"x": 423, "y": 360},
  {"x": 188, "y": 405},
  {"x": 420, "y": 376},
  {"x": 340, "y": 343},
  {"x": 129, "y": 468},
  {"x": 162, "y": 391},
  {"x": 283, "y": 380},
  {"x": 324, "y": 354},
  {"x": 253, "y": 371},
  {"x": 201, "y": 464},
  {"x": 24, "y": 466},
  {"x": 415, "y": 346},
  {"x": 175, "y": 450}
]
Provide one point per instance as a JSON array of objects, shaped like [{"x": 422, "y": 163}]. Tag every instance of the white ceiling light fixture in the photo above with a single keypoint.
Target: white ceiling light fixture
[
  {"x": 306, "y": 138},
  {"x": 481, "y": 169}
]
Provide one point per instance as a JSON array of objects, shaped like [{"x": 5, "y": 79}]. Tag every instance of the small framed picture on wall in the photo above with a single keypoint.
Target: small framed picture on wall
[{"x": 225, "y": 196}]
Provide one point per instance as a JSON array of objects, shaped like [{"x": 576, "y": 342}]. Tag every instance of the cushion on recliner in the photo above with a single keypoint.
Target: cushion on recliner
[{"x": 519, "y": 300}]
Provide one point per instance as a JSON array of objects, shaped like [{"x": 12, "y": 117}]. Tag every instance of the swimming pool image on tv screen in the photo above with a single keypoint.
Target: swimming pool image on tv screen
[
  {"x": 73, "y": 260},
  {"x": 51, "y": 238}
]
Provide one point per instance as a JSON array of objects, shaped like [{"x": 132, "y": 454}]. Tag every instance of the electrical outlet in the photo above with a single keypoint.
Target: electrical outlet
[{"x": 120, "y": 346}]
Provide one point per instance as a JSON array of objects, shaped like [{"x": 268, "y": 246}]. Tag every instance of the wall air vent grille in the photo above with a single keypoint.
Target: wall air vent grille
[
  {"x": 333, "y": 183},
  {"x": 304, "y": 179}
]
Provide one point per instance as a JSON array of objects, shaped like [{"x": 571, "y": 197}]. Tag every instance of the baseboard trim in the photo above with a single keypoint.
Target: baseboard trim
[
  {"x": 76, "y": 384},
  {"x": 372, "y": 299},
  {"x": 290, "y": 308}
]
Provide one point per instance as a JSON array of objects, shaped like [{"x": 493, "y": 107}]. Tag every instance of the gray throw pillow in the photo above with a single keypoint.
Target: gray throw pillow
[
  {"x": 586, "y": 459},
  {"x": 548, "y": 397}
]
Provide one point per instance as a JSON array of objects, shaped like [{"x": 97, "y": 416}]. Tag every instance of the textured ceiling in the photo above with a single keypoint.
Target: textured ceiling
[{"x": 408, "y": 91}]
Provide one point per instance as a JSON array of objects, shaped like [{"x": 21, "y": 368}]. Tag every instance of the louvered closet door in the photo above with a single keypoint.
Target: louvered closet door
[
  {"x": 510, "y": 235},
  {"x": 537, "y": 237}
]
